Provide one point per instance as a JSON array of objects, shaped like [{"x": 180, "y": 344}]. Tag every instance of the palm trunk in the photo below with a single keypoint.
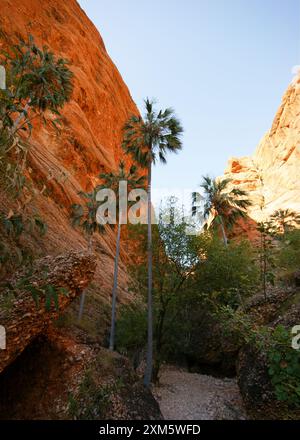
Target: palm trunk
[
  {"x": 114, "y": 291},
  {"x": 223, "y": 232},
  {"x": 149, "y": 365},
  {"x": 82, "y": 298}
]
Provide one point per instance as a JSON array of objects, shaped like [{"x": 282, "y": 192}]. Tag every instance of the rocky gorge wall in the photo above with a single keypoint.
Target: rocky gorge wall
[
  {"x": 90, "y": 140},
  {"x": 271, "y": 175}
]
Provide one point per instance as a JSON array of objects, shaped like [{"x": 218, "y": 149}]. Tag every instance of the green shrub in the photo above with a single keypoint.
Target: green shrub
[
  {"x": 284, "y": 367},
  {"x": 92, "y": 400},
  {"x": 227, "y": 275},
  {"x": 283, "y": 361},
  {"x": 47, "y": 292},
  {"x": 131, "y": 329},
  {"x": 289, "y": 253}
]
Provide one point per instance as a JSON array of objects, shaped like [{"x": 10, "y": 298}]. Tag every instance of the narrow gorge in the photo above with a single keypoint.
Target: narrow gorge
[{"x": 219, "y": 308}]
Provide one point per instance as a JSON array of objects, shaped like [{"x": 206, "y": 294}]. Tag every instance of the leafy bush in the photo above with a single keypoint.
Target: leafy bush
[
  {"x": 284, "y": 367},
  {"x": 289, "y": 253},
  {"x": 226, "y": 274},
  {"x": 47, "y": 292},
  {"x": 92, "y": 400},
  {"x": 37, "y": 82},
  {"x": 192, "y": 275},
  {"x": 283, "y": 361},
  {"x": 131, "y": 329},
  {"x": 13, "y": 250}
]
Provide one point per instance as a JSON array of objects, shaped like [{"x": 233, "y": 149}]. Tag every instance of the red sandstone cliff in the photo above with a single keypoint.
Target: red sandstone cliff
[
  {"x": 93, "y": 120},
  {"x": 271, "y": 175}
]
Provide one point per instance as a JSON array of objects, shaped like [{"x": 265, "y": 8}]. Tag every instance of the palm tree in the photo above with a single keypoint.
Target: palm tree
[
  {"x": 222, "y": 204},
  {"x": 84, "y": 216},
  {"x": 111, "y": 180},
  {"x": 148, "y": 140},
  {"x": 285, "y": 219}
]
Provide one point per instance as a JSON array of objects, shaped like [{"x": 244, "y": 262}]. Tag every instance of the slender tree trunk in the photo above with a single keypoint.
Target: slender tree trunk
[
  {"x": 82, "y": 298},
  {"x": 149, "y": 366},
  {"x": 114, "y": 291},
  {"x": 81, "y": 307},
  {"x": 265, "y": 267},
  {"x": 223, "y": 231},
  {"x": 159, "y": 342}
]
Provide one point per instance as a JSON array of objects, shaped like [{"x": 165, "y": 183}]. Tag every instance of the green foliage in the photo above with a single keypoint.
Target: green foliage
[
  {"x": 283, "y": 361},
  {"x": 181, "y": 248},
  {"x": 131, "y": 329},
  {"x": 84, "y": 216},
  {"x": 16, "y": 224},
  {"x": 284, "y": 367},
  {"x": 13, "y": 250},
  {"x": 37, "y": 82},
  {"x": 192, "y": 276},
  {"x": 111, "y": 180},
  {"x": 148, "y": 139},
  {"x": 92, "y": 400},
  {"x": 222, "y": 204},
  {"x": 227, "y": 275},
  {"x": 240, "y": 328},
  {"x": 289, "y": 252},
  {"x": 36, "y": 76},
  {"x": 42, "y": 291},
  {"x": 267, "y": 255},
  {"x": 285, "y": 220}
]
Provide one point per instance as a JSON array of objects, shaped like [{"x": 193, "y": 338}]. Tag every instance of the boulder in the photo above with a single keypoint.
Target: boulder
[{"x": 22, "y": 318}]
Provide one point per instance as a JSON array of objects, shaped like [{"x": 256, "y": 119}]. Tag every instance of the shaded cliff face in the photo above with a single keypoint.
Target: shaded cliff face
[
  {"x": 90, "y": 140},
  {"x": 271, "y": 175}
]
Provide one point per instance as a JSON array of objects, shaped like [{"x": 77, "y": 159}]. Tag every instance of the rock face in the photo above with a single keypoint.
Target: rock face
[
  {"x": 59, "y": 378},
  {"x": 93, "y": 119},
  {"x": 22, "y": 318},
  {"x": 271, "y": 175}
]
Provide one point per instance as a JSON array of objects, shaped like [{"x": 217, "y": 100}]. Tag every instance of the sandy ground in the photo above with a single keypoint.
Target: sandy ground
[{"x": 190, "y": 396}]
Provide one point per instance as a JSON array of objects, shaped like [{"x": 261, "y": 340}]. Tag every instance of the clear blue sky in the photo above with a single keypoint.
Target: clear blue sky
[{"x": 223, "y": 65}]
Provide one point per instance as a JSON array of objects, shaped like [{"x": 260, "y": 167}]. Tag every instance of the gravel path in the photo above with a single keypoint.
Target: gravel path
[{"x": 190, "y": 396}]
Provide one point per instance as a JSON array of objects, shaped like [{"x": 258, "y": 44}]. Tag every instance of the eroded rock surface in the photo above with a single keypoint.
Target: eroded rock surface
[
  {"x": 271, "y": 175},
  {"x": 22, "y": 318}
]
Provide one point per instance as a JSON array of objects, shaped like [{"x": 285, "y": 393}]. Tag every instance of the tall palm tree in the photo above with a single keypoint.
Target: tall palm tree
[
  {"x": 222, "y": 204},
  {"x": 84, "y": 216},
  {"x": 148, "y": 140},
  {"x": 285, "y": 219},
  {"x": 112, "y": 181}
]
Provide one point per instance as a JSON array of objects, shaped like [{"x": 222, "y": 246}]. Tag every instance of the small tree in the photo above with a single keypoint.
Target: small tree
[
  {"x": 84, "y": 216},
  {"x": 266, "y": 254},
  {"x": 112, "y": 181},
  {"x": 37, "y": 83},
  {"x": 175, "y": 255}
]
